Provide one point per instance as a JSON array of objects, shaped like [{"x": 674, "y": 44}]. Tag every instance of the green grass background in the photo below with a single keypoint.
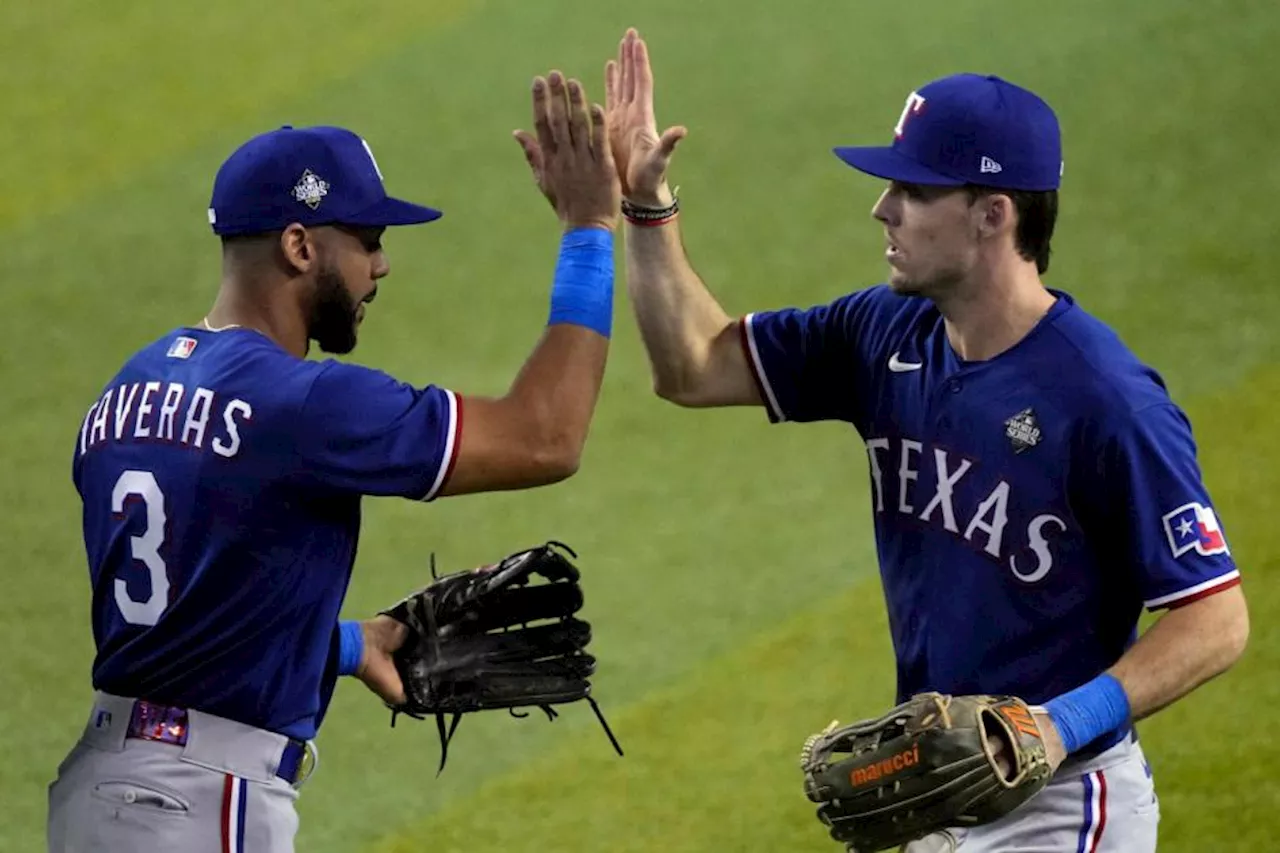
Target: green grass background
[{"x": 730, "y": 566}]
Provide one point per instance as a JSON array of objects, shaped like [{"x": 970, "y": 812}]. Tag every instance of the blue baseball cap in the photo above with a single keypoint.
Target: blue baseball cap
[
  {"x": 969, "y": 129},
  {"x": 309, "y": 175}
]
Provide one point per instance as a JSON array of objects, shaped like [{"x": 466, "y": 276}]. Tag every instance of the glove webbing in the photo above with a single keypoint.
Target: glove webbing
[{"x": 447, "y": 735}]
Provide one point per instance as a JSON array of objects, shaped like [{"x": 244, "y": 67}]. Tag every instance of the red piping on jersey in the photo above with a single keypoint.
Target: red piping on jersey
[
  {"x": 457, "y": 442},
  {"x": 1204, "y": 593}
]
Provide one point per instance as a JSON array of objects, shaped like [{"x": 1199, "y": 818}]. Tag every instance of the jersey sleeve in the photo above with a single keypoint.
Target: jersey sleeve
[
  {"x": 363, "y": 431},
  {"x": 1163, "y": 518},
  {"x": 808, "y": 363}
]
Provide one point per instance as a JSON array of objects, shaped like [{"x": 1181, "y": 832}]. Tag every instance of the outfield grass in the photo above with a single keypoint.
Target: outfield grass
[{"x": 731, "y": 574}]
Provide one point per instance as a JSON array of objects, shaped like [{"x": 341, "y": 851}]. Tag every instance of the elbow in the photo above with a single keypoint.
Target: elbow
[
  {"x": 712, "y": 371},
  {"x": 1236, "y": 635},
  {"x": 549, "y": 438},
  {"x": 678, "y": 379},
  {"x": 670, "y": 391},
  {"x": 557, "y": 457},
  {"x": 561, "y": 465},
  {"x": 1229, "y": 629},
  {"x": 682, "y": 392}
]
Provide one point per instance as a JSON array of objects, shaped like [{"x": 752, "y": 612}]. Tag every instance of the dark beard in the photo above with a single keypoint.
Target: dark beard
[{"x": 332, "y": 323}]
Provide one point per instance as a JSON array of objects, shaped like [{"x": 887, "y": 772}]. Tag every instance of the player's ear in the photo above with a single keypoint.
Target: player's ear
[
  {"x": 298, "y": 246},
  {"x": 996, "y": 214}
]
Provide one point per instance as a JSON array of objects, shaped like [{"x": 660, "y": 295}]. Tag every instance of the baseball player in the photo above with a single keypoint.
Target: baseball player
[
  {"x": 222, "y": 472},
  {"x": 1033, "y": 487}
]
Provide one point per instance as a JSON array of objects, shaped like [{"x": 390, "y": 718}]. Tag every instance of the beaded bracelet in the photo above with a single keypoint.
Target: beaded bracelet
[{"x": 650, "y": 216}]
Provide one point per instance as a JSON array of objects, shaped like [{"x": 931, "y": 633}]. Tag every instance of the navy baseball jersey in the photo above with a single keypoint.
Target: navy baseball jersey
[
  {"x": 222, "y": 479},
  {"x": 1026, "y": 507}
]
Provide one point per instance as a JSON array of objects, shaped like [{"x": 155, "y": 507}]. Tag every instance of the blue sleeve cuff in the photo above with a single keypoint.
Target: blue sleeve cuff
[
  {"x": 1092, "y": 710},
  {"x": 588, "y": 236},
  {"x": 582, "y": 294},
  {"x": 350, "y": 647}
]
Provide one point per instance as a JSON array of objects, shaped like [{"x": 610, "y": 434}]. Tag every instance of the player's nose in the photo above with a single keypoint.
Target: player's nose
[
  {"x": 884, "y": 209},
  {"x": 381, "y": 267}
]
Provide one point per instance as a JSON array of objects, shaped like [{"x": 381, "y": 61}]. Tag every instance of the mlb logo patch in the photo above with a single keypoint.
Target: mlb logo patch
[
  {"x": 102, "y": 719},
  {"x": 182, "y": 347},
  {"x": 1194, "y": 527}
]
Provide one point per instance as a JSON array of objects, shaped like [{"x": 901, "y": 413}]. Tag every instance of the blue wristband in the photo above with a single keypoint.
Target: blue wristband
[
  {"x": 350, "y": 647},
  {"x": 583, "y": 290},
  {"x": 1090, "y": 711}
]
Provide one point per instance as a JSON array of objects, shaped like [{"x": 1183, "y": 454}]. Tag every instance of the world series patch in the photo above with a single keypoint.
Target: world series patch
[{"x": 1023, "y": 430}]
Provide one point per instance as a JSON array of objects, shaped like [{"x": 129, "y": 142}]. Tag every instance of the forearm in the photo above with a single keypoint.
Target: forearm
[
  {"x": 551, "y": 402},
  {"x": 534, "y": 434},
  {"x": 1184, "y": 649},
  {"x": 557, "y": 389},
  {"x": 680, "y": 321}
]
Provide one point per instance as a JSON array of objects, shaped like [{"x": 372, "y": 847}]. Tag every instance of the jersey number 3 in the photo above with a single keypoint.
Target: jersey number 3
[{"x": 142, "y": 485}]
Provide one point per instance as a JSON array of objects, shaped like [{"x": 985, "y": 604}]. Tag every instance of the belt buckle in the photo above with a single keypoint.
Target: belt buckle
[{"x": 307, "y": 766}]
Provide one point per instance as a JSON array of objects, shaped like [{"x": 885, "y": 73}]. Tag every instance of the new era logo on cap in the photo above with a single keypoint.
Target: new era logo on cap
[
  {"x": 969, "y": 129},
  {"x": 309, "y": 175}
]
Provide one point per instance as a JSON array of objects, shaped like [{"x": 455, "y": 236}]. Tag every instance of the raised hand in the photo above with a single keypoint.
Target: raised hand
[
  {"x": 570, "y": 156},
  {"x": 641, "y": 154}
]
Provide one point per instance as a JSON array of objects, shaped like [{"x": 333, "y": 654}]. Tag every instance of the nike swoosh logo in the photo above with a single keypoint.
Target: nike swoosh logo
[{"x": 898, "y": 366}]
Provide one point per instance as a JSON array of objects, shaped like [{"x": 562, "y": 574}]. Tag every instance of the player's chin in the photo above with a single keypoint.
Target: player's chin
[
  {"x": 338, "y": 344},
  {"x": 903, "y": 284}
]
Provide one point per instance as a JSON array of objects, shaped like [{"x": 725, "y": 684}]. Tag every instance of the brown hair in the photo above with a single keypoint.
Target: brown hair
[{"x": 1037, "y": 214}]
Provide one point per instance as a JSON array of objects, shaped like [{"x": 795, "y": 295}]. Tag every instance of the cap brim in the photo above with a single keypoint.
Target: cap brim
[
  {"x": 885, "y": 162},
  {"x": 393, "y": 211}
]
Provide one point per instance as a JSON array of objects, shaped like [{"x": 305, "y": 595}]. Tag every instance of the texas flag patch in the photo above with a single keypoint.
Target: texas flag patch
[
  {"x": 1194, "y": 527},
  {"x": 181, "y": 347}
]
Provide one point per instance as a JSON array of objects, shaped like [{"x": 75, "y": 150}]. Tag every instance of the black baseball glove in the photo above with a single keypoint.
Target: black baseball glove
[
  {"x": 931, "y": 763},
  {"x": 471, "y": 646}
]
